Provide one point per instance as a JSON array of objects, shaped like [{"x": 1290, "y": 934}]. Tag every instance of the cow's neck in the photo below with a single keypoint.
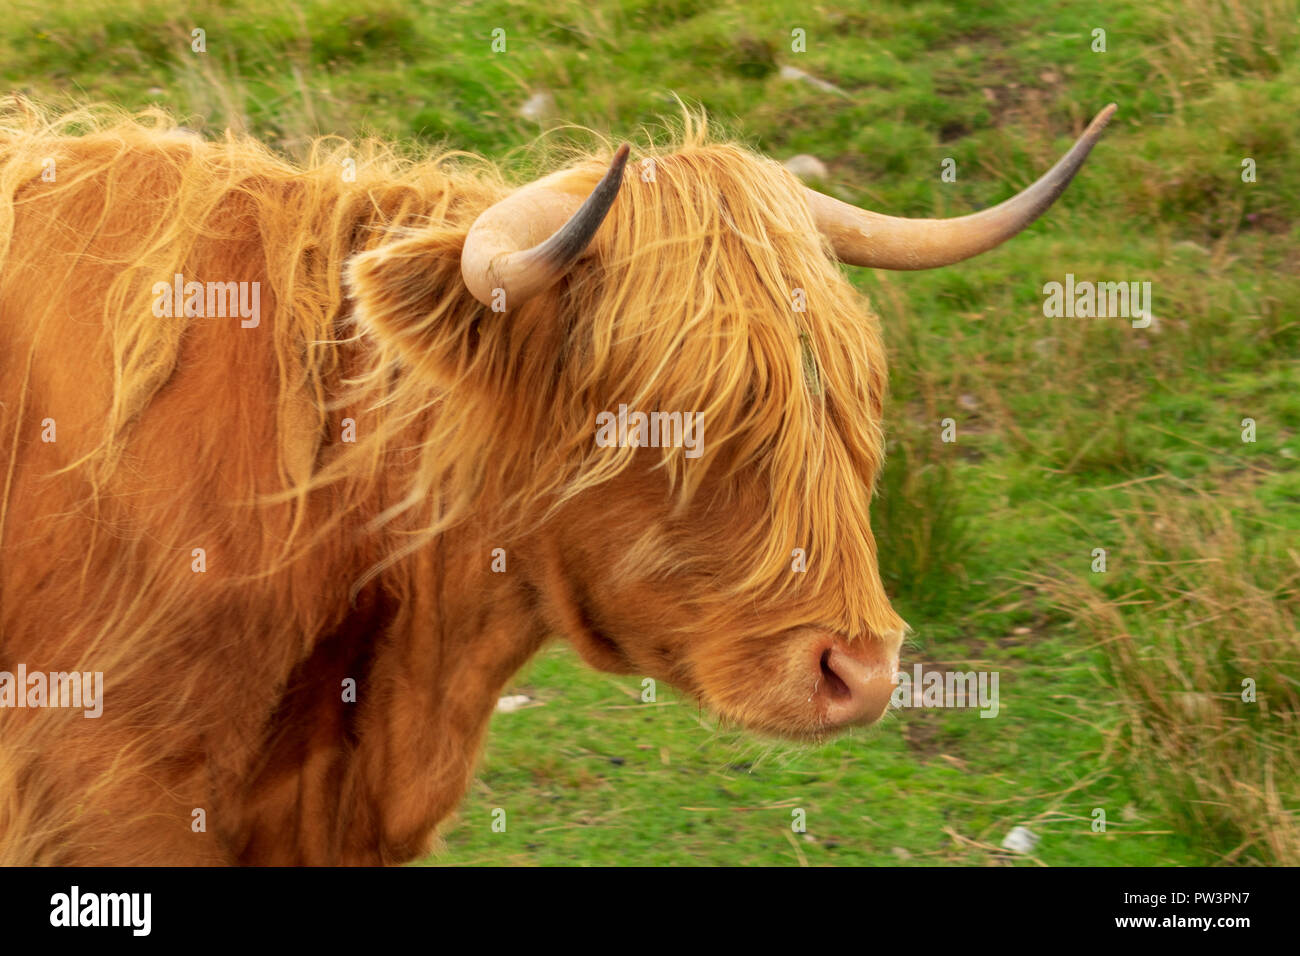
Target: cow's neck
[{"x": 430, "y": 645}]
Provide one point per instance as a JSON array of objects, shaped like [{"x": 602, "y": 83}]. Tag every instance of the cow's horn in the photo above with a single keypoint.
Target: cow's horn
[
  {"x": 863, "y": 238},
  {"x": 526, "y": 241}
]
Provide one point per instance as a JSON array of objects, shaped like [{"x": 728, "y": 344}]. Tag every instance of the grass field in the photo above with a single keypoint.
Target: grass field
[{"x": 1120, "y": 691}]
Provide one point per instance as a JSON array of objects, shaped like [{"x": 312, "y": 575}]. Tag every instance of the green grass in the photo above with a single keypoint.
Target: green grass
[
  {"x": 593, "y": 775},
  {"x": 1062, "y": 424}
]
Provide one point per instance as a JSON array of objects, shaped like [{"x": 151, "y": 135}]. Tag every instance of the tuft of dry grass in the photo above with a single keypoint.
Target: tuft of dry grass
[
  {"x": 1199, "y": 617},
  {"x": 1209, "y": 41}
]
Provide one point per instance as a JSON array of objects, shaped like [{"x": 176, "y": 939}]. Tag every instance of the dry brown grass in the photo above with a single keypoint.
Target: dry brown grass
[
  {"x": 1210, "y": 40},
  {"x": 1201, "y": 598}
]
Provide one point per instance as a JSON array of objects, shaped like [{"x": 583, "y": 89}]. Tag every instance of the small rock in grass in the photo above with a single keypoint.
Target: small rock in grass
[
  {"x": 806, "y": 166},
  {"x": 538, "y": 107},
  {"x": 793, "y": 73},
  {"x": 1020, "y": 840}
]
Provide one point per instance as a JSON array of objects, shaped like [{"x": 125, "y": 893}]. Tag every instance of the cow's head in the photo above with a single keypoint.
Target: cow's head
[{"x": 737, "y": 564}]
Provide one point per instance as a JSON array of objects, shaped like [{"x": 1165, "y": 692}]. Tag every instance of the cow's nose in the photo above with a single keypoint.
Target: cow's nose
[{"x": 856, "y": 682}]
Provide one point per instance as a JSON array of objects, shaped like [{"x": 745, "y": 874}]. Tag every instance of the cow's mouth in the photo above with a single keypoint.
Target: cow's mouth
[{"x": 806, "y": 684}]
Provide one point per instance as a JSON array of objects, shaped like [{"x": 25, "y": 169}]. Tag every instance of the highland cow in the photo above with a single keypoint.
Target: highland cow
[{"x": 306, "y": 549}]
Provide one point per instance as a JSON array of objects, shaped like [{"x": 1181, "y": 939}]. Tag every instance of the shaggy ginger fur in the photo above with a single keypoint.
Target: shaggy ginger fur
[{"x": 371, "y": 561}]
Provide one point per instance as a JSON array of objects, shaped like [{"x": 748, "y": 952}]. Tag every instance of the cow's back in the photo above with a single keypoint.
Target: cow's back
[
  {"x": 133, "y": 449},
  {"x": 179, "y": 509}
]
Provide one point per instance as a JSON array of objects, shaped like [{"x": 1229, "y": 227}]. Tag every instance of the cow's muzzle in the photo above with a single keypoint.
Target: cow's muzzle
[{"x": 855, "y": 679}]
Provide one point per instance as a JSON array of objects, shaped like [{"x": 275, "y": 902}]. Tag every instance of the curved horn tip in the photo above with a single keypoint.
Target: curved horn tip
[
  {"x": 613, "y": 177},
  {"x": 572, "y": 240},
  {"x": 494, "y": 256},
  {"x": 865, "y": 238},
  {"x": 1101, "y": 120}
]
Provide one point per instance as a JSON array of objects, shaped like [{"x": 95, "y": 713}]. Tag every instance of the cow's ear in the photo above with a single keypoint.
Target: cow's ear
[{"x": 409, "y": 293}]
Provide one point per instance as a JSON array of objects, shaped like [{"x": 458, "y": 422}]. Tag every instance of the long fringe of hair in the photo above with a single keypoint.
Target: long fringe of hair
[{"x": 708, "y": 290}]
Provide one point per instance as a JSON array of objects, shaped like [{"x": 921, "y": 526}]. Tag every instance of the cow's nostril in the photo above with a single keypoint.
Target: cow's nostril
[
  {"x": 856, "y": 682},
  {"x": 834, "y": 684}
]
